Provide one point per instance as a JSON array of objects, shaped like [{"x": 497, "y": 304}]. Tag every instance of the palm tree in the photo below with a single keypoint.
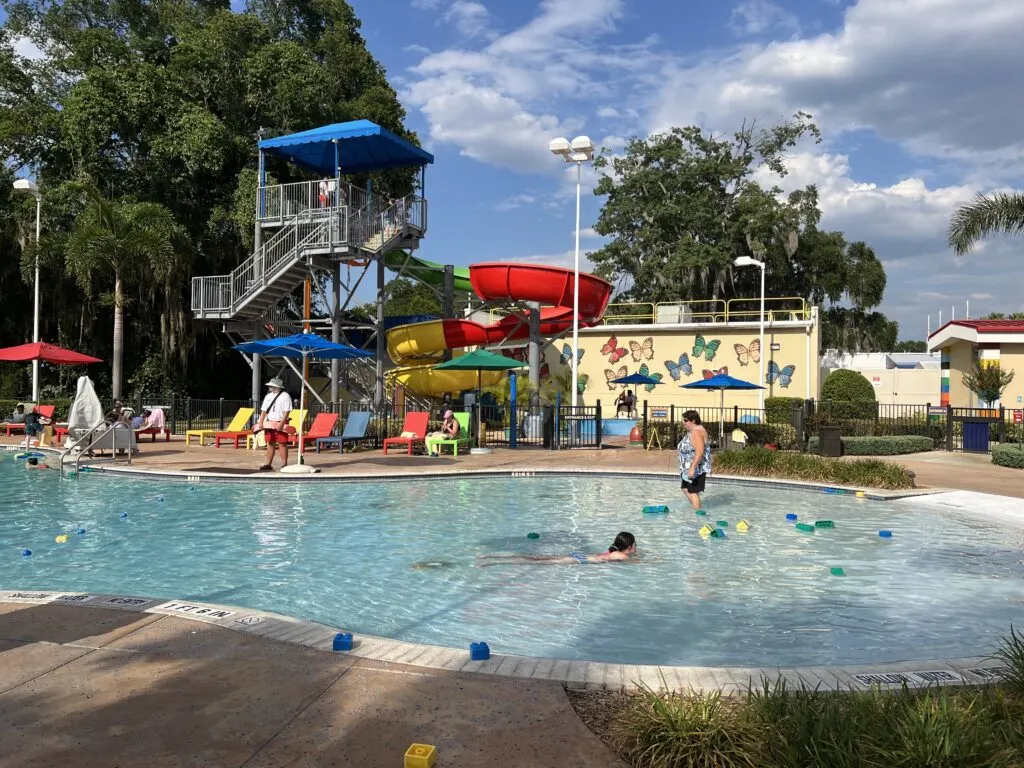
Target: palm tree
[
  {"x": 998, "y": 213},
  {"x": 123, "y": 240}
]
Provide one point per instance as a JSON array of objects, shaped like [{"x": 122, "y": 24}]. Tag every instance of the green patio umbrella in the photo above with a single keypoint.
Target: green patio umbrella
[{"x": 480, "y": 360}]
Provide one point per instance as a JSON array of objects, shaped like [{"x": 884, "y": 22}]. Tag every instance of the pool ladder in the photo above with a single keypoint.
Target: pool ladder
[{"x": 96, "y": 436}]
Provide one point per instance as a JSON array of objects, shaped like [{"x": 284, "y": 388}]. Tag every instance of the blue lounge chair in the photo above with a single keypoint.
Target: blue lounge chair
[{"x": 355, "y": 430}]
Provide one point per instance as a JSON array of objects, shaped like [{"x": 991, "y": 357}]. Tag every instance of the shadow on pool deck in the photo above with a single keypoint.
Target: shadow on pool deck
[{"x": 97, "y": 687}]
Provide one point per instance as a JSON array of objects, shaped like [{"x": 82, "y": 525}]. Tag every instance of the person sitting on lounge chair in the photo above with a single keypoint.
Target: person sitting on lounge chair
[
  {"x": 450, "y": 429},
  {"x": 18, "y": 417}
]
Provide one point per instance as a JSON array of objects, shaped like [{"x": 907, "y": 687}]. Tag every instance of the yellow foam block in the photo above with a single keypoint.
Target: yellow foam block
[
  {"x": 742, "y": 526},
  {"x": 861, "y": 494},
  {"x": 706, "y": 531},
  {"x": 420, "y": 756},
  {"x": 61, "y": 539}
]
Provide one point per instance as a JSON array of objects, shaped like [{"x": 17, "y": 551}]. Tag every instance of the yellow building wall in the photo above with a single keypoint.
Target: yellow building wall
[
  {"x": 1011, "y": 358},
  {"x": 680, "y": 356},
  {"x": 961, "y": 361}
]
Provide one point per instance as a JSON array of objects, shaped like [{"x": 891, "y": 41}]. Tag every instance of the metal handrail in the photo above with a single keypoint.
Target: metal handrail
[{"x": 107, "y": 428}]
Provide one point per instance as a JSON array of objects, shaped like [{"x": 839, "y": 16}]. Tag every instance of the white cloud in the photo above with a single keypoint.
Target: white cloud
[
  {"x": 934, "y": 75},
  {"x": 608, "y": 112},
  {"x": 516, "y": 201},
  {"x": 469, "y": 18},
  {"x": 755, "y": 17}
]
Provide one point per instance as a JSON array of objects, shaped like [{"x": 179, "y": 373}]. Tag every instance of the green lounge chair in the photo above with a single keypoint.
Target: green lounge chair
[{"x": 463, "y": 439}]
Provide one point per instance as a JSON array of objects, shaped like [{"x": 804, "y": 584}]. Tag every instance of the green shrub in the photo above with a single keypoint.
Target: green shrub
[
  {"x": 880, "y": 446},
  {"x": 846, "y": 385},
  {"x": 832, "y": 411},
  {"x": 775, "y": 726},
  {"x": 761, "y": 462},
  {"x": 1008, "y": 455},
  {"x": 779, "y": 410},
  {"x": 782, "y": 435}
]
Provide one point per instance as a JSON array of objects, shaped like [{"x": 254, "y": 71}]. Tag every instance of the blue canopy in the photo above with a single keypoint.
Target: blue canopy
[
  {"x": 636, "y": 379},
  {"x": 362, "y": 146},
  {"x": 302, "y": 345},
  {"x": 722, "y": 381}
]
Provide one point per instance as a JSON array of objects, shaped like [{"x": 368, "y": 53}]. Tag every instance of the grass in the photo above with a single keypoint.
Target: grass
[
  {"x": 761, "y": 462},
  {"x": 777, "y": 727}
]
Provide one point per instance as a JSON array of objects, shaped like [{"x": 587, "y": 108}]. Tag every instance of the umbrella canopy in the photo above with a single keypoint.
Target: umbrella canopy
[
  {"x": 637, "y": 379},
  {"x": 721, "y": 382},
  {"x": 480, "y": 360},
  {"x": 48, "y": 353},
  {"x": 304, "y": 345}
]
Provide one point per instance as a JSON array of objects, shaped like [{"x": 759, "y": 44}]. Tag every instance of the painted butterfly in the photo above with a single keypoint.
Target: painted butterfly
[
  {"x": 581, "y": 383},
  {"x": 746, "y": 354},
  {"x": 643, "y": 351},
  {"x": 609, "y": 374},
  {"x": 723, "y": 371},
  {"x": 782, "y": 375},
  {"x": 708, "y": 349},
  {"x": 613, "y": 350},
  {"x": 644, "y": 371},
  {"x": 566, "y": 355},
  {"x": 683, "y": 367}
]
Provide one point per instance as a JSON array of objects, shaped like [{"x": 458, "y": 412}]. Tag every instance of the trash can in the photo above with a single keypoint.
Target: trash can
[
  {"x": 976, "y": 436},
  {"x": 830, "y": 442}
]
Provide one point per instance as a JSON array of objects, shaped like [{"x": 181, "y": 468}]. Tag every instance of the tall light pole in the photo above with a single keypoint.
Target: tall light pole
[
  {"x": 579, "y": 151},
  {"x": 29, "y": 186},
  {"x": 747, "y": 261}
]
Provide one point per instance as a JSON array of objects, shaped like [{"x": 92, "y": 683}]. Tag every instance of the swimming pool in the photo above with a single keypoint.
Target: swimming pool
[{"x": 341, "y": 554}]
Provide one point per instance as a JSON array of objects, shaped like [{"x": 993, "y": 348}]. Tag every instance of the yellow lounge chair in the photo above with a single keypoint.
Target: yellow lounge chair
[
  {"x": 238, "y": 422},
  {"x": 295, "y": 418}
]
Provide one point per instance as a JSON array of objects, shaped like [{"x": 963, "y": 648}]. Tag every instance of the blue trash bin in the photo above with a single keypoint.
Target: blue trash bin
[{"x": 976, "y": 436}]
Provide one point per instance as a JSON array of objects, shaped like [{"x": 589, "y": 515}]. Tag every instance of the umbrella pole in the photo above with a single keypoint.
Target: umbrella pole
[
  {"x": 721, "y": 418},
  {"x": 302, "y": 404}
]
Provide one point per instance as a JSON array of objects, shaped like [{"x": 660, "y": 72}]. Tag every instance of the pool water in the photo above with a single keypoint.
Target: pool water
[{"x": 342, "y": 554}]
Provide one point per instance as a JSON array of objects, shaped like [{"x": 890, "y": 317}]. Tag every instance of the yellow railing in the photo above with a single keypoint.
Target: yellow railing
[{"x": 697, "y": 311}]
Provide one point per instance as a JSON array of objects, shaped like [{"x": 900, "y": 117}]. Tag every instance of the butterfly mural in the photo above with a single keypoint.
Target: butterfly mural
[
  {"x": 566, "y": 357},
  {"x": 645, "y": 371},
  {"x": 681, "y": 368},
  {"x": 706, "y": 348},
  {"x": 747, "y": 354},
  {"x": 613, "y": 350},
  {"x": 782, "y": 375},
  {"x": 723, "y": 371},
  {"x": 642, "y": 350},
  {"x": 581, "y": 383},
  {"x": 609, "y": 375}
]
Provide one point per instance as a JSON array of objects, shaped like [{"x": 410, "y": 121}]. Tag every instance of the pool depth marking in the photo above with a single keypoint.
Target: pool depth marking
[{"x": 571, "y": 673}]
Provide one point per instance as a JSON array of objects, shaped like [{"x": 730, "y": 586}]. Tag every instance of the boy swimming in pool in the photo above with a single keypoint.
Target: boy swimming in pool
[{"x": 621, "y": 549}]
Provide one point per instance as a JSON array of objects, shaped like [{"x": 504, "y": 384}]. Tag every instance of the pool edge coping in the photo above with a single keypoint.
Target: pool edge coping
[{"x": 573, "y": 674}]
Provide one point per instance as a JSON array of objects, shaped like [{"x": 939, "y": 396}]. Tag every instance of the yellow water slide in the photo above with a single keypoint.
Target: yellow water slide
[{"x": 416, "y": 348}]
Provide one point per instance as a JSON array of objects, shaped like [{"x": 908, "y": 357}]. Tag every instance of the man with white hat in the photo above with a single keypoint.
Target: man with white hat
[{"x": 273, "y": 419}]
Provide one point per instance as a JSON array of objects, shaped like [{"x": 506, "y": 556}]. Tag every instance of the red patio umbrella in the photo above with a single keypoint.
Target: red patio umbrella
[{"x": 48, "y": 353}]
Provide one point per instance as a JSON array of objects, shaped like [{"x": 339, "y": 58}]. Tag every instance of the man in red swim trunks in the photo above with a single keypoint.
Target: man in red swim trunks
[{"x": 273, "y": 420}]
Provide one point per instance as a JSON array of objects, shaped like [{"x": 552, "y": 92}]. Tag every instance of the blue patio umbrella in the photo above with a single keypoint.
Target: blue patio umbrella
[
  {"x": 636, "y": 379},
  {"x": 721, "y": 382},
  {"x": 302, "y": 345}
]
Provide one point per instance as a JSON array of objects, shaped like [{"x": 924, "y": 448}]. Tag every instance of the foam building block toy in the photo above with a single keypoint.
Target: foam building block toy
[
  {"x": 656, "y": 509},
  {"x": 706, "y": 531},
  {"x": 479, "y": 652},
  {"x": 742, "y": 526},
  {"x": 343, "y": 641},
  {"x": 420, "y": 756},
  {"x": 805, "y": 527},
  {"x": 824, "y": 524}
]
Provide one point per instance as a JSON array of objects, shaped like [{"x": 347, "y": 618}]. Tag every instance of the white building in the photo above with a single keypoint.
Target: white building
[{"x": 907, "y": 378}]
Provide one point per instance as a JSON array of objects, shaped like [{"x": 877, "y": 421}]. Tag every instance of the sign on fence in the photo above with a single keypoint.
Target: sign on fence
[
  {"x": 1018, "y": 417},
  {"x": 936, "y": 410},
  {"x": 659, "y": 413}
]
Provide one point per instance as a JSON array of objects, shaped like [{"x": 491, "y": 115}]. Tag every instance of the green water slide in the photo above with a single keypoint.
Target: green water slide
[{"x": 427, "y": 272}]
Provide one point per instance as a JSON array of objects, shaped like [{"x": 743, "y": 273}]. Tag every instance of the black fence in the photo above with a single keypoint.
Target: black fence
[
  {"x": 555, "y": 427},
  {"x": 789, "y": 427}
]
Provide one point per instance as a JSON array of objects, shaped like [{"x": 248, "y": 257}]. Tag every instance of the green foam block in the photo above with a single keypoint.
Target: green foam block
[
  {"x": 824, "y": 524},
  {"x": 804, "y": 527},
  {"x": 837, "y": 571}
]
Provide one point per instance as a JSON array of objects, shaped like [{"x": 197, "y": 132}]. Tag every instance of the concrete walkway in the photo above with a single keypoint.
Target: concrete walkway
[{"x": 91, "y": 687}]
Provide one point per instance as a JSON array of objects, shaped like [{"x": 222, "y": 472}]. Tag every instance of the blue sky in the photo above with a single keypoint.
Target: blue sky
[
  {"x": 917, "y": 99},
  {"x": 914, "y": 97}
]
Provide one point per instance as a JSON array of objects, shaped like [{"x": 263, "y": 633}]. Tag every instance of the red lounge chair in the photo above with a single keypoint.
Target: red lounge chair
[
  {"x": 153, "y": 432},
  {"x": 45, "y": 411},
  {"x": 416, "y": 423},
  {"x": 322, "y": 426}
]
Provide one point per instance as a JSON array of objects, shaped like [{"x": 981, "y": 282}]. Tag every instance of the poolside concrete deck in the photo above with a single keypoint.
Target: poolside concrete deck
[
  {"x": 937, "y": 469},
  {"x": 98, "y": 687}
]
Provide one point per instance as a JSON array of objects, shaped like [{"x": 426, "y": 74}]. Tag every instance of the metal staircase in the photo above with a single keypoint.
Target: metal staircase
[{"x": 312, "y": 236}]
